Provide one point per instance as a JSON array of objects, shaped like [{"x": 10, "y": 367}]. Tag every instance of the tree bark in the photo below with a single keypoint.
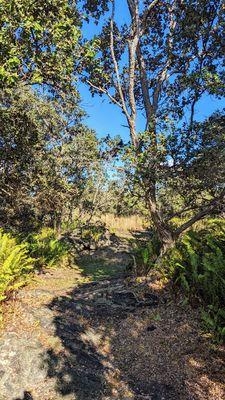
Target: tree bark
[{"x": 165, "y": 234}]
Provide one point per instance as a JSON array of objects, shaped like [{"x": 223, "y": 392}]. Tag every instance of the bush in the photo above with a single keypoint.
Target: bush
[
  {"x": 15, "y": 264},
  {"x": 197, "y": 264},
  {"x": 88, "y": 235},
  {"x": 146, "y": 255},
  {"x": 92, "y": 233},
  {"x": 46, "y": 248}
]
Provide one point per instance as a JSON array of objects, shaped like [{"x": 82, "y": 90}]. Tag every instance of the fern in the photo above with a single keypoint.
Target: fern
[
  {"x": 15, "y": 264},
  {"x": 46, "y": 248},
  {"x": 197, "y": 264}
]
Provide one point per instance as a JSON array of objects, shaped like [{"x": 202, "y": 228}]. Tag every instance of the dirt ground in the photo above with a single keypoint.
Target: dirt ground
[{"x": 91, "y": 333}]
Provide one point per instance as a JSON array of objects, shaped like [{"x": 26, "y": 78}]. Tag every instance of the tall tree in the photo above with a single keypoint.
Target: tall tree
[{"x": 161, "y": 63}]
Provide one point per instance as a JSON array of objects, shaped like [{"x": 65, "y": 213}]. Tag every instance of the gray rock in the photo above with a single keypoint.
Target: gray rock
[{"x": 21, "y": 365}]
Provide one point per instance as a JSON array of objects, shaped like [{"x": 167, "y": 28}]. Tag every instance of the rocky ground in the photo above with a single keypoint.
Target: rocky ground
[{"x": 89, "y": 333}]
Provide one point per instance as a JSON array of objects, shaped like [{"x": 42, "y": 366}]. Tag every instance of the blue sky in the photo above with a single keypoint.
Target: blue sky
[
  {"x": 103, "y": 117},
  {"x": 106, "y": 118}
]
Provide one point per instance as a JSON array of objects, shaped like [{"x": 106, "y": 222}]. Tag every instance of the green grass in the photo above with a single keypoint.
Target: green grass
[{"x": 97, "y": 269}]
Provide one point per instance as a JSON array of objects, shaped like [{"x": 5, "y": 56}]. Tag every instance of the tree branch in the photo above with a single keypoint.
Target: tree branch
[
  {"x": 146, "y": 14},
  {"x": 179, "y": 213},
  {"x": 132, "y": 48},
  {"x": 102, "y": 90},
  {"x": 213, "y": 205},
  {"x": 144, "y": 85},
  {"x": 164, "y": 73}
]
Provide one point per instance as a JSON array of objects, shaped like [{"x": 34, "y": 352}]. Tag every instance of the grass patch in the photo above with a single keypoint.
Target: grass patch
[
  {"x": 123, "y": 224},
  {"x": 98, "y": 269}
]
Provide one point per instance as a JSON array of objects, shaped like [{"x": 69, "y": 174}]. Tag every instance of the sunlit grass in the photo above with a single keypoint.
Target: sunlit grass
[
  {"x": 123, "y": 224},
  {"x": 99, "y": 268}
]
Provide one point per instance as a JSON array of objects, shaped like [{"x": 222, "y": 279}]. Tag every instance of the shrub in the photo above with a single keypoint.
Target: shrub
[
  {"x": 146, "y": 255},
  {"x": 92, "y": 233},
  {"x": 197, "y": 264},
  {"x": 46, "y": 248},
  {"x": 89, "y": 235},
  {"x": 15, "y": 264}
]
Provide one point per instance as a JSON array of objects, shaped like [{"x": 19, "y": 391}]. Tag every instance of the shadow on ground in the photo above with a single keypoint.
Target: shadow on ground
[
  {"x": 106, "y": 262},
  {"x": 87, "y": 322},
  {"x": 112, "y": 350},
  {"x": 121, "y": 339}
]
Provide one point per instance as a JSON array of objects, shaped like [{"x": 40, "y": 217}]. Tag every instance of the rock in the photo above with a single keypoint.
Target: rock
[
  {"x": 151, "y": 297},
  {"x": 20, "y": 365},
  {"x": 149, "y": 300},
  {"x": 124, "y": 298},
  {"x": 102, "y": 301},
  {"x": 151, "y": 328}
]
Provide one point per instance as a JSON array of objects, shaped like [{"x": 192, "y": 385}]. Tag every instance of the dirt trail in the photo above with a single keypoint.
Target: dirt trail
[{"x": 89, "y": 333}]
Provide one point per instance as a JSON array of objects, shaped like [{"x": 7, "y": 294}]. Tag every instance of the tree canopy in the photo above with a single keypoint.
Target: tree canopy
[
  {"x": 160, "y": 63},
  {"x": 39, "y": 42}
]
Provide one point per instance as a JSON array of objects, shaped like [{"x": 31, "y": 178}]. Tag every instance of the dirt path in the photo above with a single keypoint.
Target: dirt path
[{"x": 72, "y": 336}]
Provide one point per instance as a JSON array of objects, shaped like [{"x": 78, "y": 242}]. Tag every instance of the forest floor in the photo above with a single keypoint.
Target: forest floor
[{"x": 90, "y": 333}]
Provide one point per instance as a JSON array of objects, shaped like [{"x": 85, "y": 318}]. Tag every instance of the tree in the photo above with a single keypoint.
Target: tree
[
  {"x": 39, "y": 42},
  {"x": 46, "y": 150},
  {"x": 46, "y": 155},
  {"x": 161, "y": 63}
]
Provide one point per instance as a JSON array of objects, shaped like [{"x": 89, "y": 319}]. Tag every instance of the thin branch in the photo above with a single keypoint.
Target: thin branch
[
  {"x": 102, "y": 90},
  {"x": 132, "y": 49},
  {"x": 164, "y": 73},
  {"x": 5, "y": 191},
  {"x": 179, "y": 213},
  {"x": 144, "y": 85}
]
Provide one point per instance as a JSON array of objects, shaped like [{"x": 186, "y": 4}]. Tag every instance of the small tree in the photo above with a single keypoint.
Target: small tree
[{"x": 161, "y": 63}]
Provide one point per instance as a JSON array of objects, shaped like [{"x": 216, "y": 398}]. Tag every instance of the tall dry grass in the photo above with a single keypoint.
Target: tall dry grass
[{"x": 123, "y": 224}]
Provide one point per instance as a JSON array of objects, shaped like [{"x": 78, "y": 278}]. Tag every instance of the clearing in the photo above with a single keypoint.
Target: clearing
[{"x": 90, "y": 333}]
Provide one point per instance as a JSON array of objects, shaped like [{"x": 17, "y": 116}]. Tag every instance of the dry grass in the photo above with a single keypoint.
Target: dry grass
[{"x": 123, "y": 224}]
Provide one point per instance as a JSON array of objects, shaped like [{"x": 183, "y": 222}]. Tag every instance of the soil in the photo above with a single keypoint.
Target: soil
[{"x": 91, "y": 333}]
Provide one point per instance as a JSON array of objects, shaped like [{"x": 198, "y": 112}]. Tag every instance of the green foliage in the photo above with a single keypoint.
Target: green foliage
[
  {"x": 162, "y": 60},
  {"x": 146, "y": 255},
  {"x": 197, "y": 264},
  {"x": 214, "y": 320},
  {"x": 15, "y": 264},
  {"x": 39, "y": 42},
  {"x": 46, "y": 166},
  {"x": 91, "y": 233},
  {"x": 99, "y": 268},
  {"x": 46, "y": 248}
]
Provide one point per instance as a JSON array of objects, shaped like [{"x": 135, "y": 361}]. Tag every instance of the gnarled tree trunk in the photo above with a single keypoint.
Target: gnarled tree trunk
[{"x": 165, "y": 234}]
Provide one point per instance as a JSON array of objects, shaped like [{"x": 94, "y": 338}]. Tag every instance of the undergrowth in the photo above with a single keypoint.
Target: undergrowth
[
  {"x": 19, "y": 259},
  {"x": 15, "y": 264},
  {"x": 146, "y": 254},
  {"x": 46, "y": 248},
  {"x": 197, "y": 265}
]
